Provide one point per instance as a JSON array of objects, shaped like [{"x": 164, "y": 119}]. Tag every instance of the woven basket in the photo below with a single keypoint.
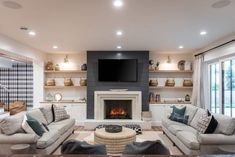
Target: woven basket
[
  {"x": 187, "y": 83},
  {"x": 50, "y": 82},
  {"x": 153, "y": 83},
  {"x": 83, "y": 82},
  {"x": 170, "y": 83},
  {"x": 68, "y": 82}
]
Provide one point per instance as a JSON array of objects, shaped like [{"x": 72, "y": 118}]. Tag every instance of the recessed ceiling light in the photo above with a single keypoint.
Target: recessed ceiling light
[
  {"x": 119, "y": 33},
  {"x": 55, "y": 47},
  {"x": 203, "y": 33},
  {"x": 11, "y": 4},
  {"x": 32, "y": 33},
  {"x": 181, "y": 47},
  {"x": 221, "y": 4},
  {"x": 118, "y": 3},
  {"x": 119, "y": 47},
  {"x": 13, "y": 60}
]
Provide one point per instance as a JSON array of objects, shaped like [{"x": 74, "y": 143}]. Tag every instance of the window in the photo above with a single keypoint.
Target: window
[
  {"x": 228, "y": 87},
  {"x": 214, "y": 88},
  {"x": 222, "y": 87}
]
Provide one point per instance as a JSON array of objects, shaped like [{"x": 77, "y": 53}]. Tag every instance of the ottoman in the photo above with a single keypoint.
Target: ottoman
[{"x": 115, "y": 142}]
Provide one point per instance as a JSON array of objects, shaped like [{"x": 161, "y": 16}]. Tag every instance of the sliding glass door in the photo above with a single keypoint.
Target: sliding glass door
[
  {"x": 228, "y": 87},
  {"x": 214, "y": 88},
  {"x": 222, "y": 87}
]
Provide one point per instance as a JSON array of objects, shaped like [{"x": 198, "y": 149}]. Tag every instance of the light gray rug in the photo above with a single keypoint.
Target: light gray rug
[{"x": 88, "y": 136}]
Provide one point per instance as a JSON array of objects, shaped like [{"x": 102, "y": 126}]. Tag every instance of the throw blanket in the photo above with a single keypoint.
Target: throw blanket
[
  {"x": 80, "y": 147},
  {"x": 146, "y": 148}
]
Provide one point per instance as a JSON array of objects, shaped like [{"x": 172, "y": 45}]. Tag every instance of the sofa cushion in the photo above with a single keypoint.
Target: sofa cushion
[
  {"x": 37, "y": 114},
  {"x": 11, "y": 125},
  {"x": 176, "y": 128},
  {"x": 18, "y": 138},
  {"x": 48, "y": 114},
  {"x": 62, "y": 126},
  {"x": 48, "y": 139},
  {"x": 189, "y": 139},
  {"x": 190, "y": 111},
  {"x": 167, "y": 122},
  {"x": 215, "y": 139},
  {"x": 200, "y": 112},
  {"x": 226, "y": 124},
  {"x": 59, "y": 113},
  {"x": 179, "y": 118},
  {"x": 35, "y": 125}
]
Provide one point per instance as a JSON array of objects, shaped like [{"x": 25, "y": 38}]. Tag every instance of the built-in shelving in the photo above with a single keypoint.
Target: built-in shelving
[
  {"x": 171, "y": 71},
  {"x": 63, "y": 87},
  {"x": 165, "y": 87},
  {"x": 169, "y": 102},
  {"x": 65, "y": 71}
]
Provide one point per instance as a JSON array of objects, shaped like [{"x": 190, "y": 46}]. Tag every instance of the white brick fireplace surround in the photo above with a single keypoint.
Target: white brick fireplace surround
[
  {"x": 134, "y": 96},
  {"x": 136, "y": 101}
]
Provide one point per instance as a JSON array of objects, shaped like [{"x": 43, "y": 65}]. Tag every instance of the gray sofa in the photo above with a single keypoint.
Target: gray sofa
[
  {"x": 47, "y": 143},
  {"x": 191, "y": 142}
]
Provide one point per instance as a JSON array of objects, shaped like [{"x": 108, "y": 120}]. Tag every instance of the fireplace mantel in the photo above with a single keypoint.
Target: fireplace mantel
[{"x": 134, "y": 96}]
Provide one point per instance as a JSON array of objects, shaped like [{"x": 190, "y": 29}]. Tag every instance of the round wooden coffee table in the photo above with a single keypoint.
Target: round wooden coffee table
[{"x": 115, "y": 142}]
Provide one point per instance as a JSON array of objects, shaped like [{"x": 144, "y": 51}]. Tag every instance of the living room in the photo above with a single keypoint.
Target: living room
[{"x": 117, "y": 77}]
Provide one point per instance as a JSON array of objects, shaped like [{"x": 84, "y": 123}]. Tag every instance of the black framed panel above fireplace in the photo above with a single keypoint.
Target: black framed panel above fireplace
[{"x": 93, "y": 83}]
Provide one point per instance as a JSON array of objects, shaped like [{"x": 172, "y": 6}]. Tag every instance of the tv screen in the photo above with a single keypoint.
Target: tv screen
[{"x": 114, "y": 70}]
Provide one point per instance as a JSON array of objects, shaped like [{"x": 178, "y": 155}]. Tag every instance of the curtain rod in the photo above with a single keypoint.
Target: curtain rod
[{"x": 233, "y": 40}]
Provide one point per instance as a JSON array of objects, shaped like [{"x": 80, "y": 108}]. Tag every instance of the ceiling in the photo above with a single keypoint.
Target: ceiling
[{"x": 80, "y": 25}]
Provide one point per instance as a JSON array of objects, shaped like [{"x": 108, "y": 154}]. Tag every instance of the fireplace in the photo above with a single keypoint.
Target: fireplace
[
  {"x": 114, "y": 105},
  {"x": 117, "y": 109}
]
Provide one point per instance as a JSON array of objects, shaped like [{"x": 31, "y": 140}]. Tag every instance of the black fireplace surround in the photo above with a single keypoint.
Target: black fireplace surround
[{"x": 93, "y": 84}]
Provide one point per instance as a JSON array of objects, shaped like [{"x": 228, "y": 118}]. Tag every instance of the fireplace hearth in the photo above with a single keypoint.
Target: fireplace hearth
[{"x": 118, "y": 109}]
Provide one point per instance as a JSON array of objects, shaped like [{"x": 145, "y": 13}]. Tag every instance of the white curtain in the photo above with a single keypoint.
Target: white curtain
[{"x": 199, "y": 78}]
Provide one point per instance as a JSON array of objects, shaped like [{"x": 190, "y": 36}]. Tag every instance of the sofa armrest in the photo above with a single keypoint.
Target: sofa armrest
[
  {"x": 19, "y": 138},
  {"x": 216, "y": 139}
]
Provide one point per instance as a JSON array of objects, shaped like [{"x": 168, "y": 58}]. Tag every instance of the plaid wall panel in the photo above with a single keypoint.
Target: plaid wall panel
[{"x": 19, "y": 81}]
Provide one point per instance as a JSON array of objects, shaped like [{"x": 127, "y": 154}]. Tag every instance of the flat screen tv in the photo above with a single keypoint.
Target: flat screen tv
[{"x": 117, "y": 70}]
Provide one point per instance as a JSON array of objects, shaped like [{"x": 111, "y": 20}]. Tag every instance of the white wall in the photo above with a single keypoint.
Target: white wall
[
  {"x": 12, "y": 47},
  {"x": 221, "y": 52}
]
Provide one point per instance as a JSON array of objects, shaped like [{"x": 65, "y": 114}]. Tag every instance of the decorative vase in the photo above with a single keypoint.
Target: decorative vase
[
  {"x": 84, "y": 67},
  {"x": 57, "y": 67},
  {"x": 49, "y": 66},
  {"x": 187, "y": 98}
]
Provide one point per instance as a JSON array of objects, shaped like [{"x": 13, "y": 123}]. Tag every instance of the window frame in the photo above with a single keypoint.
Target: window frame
[{"x": 220, "y": 62}]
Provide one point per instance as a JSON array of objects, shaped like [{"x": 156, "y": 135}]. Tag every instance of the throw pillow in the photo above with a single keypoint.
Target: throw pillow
[
  {"x": 47, "y": 112},
  {"x": 59, "y": 113},
  {"x": 212, "y": 125},
  {"x": 11, "y": 125},
  {"x": 35, "y": 125},
  {"x": 38, "y": 115},
  {"x": 26, "y": 126},
  {"x": 179, "y": 118},
  {"x": 178, "y": 111},
  {"x": 206, "y": 123}
]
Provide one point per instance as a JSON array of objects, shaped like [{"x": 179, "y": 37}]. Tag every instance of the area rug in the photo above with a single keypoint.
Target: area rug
[{"x": 88, "y": 136}]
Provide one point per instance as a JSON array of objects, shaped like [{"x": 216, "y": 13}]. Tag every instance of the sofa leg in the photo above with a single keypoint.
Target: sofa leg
[
  {"x": 174, "y": 144},
  {"x": 163, "y": 132}
]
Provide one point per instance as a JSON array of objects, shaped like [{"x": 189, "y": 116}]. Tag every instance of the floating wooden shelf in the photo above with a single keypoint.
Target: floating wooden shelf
[
  {"x": 169, "y": 102},
  {"x": 65, "y": 71},
  {"x": 165, "y": 87},
  {"x": 62, "y": 87},
  {"x": 171, "y": 71}
]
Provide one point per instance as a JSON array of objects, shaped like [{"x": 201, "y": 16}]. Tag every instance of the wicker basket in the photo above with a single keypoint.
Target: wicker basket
[
  {"x": 83, "y": 82},
  {"x": 170, "y": 83},
  {"x": 187, "y": 83},
  {"x": 153, "y": 83},
  {"x": 68, "y": 82},
  {"x": 50, "y": 82}
]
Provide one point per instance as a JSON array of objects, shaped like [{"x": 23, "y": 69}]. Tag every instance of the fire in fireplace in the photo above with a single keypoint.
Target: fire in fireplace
[{"x": 118, "y": 109}]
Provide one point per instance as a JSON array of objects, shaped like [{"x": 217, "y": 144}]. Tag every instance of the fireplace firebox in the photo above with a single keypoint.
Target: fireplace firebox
[{"x": 117, "y": 109}]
